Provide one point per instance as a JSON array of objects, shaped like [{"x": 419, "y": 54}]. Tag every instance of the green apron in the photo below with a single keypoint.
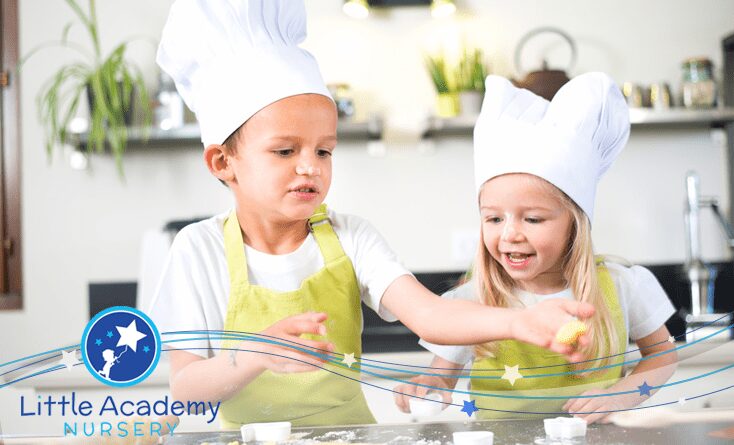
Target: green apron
[
  {"x": 307, "y": 398},
  {"x": 511, "y": 353}
]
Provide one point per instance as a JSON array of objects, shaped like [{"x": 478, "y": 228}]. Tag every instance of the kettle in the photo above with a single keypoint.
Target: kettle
[{"x": 544, "y": 82}]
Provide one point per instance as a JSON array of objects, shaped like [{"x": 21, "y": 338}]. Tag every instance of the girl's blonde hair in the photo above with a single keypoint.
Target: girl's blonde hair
[{"x": 579, "y": 270}]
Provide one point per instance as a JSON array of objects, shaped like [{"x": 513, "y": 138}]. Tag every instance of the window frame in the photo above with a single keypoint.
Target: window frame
[{"x": 11, "y": 290}]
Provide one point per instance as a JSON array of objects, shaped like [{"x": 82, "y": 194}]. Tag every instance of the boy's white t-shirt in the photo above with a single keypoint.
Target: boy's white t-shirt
[
  {"x": 643, "y": 301},
  {"x": 194, "y": 287}
]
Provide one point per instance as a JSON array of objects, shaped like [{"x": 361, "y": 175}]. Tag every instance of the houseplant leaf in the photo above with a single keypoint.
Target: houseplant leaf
[{"x": 109, "y": 81}]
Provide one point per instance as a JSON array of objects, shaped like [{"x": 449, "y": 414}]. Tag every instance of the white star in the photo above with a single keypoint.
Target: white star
[
  {"x": 129, "y": 336},
  {"x": 511, "y": 374},
  {"x": 68, "y": 359},
  {"x": 682, "y": 401},
  {"x": 349, "y": 359},
  {"x": 671, "y": 339}
]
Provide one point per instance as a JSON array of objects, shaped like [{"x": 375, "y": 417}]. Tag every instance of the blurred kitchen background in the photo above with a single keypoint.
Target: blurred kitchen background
[{"x": 90, "y": 239}]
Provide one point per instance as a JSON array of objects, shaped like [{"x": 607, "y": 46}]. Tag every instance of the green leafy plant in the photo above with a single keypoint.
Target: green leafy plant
[
  {"x": 111, "y": 84},
  {"x": 440, "y": 74},
  {"x": 471, "y": 71}
]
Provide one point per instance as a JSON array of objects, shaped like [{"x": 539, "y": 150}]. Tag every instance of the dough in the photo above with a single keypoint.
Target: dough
[
  {"x": 473, "y": 438},
  {"x": 430, "y": 405},
  {"x": 565, "y": 427},
  {"x": 570, "y": 332}
]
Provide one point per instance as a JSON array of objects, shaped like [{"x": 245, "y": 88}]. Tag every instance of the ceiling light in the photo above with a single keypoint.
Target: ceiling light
[
  {"x": 442, "y": 8},
  {"x": 358, "y": 9}
]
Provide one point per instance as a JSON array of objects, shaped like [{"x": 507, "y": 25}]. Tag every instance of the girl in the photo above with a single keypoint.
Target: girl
[
  {"x": 536, "y": 169},
  {"x": 281, "y": 264}
]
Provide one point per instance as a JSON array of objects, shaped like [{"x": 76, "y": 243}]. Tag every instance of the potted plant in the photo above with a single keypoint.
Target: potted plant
[
  {"x": 110, "y": 83},
  {"x": 470, "y": 73},
  {"x": 447, "y": 103}
]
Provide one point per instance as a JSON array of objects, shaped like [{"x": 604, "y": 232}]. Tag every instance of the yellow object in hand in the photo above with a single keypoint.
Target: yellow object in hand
[{"x": 570, "y": 332}]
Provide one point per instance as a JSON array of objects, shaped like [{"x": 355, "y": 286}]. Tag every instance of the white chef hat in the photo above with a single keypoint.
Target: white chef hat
[
  {"x": 231, "y": 58},
  {"x": 570, "y": 141}
]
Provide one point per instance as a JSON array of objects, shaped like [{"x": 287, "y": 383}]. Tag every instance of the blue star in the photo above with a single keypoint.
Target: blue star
[
  {"x": 469, "y": 407},
  {"x": 146, "y": 349},
  {"x": 98, "y": 342},
  {"x": 109, "y": 334},
  {"x": 644, "y": 389}
]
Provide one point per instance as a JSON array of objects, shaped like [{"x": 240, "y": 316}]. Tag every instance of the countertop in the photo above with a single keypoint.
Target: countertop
[
  {"x": 513, "y": 432},
  {"x": 505, "y": 432}
]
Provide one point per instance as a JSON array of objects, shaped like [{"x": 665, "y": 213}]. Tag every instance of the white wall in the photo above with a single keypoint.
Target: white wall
[{"x": 86, "y": 226}]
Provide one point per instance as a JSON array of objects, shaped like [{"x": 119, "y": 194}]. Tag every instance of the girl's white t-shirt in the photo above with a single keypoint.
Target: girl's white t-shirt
[
  {"x": 193, "y": 291},
  {"x": 643, "y": 301}
]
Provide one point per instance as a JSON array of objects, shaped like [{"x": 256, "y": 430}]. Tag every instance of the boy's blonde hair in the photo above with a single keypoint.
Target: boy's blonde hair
[{"x": 579, "y": 270}]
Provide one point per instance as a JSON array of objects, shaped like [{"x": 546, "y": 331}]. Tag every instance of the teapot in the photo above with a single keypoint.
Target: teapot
[{"x": 544, "y": 82}]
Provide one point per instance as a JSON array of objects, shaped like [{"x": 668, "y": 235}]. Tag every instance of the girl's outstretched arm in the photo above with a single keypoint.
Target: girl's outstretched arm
[
  {"x": 648, "y": 373},
  {"x": 460, "y": 322}
]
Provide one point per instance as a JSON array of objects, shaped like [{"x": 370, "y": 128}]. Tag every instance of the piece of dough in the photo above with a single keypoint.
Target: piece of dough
[
  {"x": 570, "y": 332},
  {"x": 430, "y": 405},
  {"x": 473, "y": 438},
  {"x": 565, "y": 427}
]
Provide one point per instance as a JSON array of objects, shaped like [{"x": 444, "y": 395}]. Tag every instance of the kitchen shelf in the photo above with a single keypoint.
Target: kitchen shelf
[
  {"x": 714, "y": 117},
  {"x": 347, "y": 130},
  {"x": 639, "y": 117}
]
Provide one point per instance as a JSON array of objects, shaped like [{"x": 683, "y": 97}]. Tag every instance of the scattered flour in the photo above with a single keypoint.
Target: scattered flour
[{"x": 338, "y": 436}]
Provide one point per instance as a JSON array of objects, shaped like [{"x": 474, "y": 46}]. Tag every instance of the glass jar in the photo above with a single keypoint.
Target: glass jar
[
  {"x": 169, "y": 110},
  {"x": 343, "y": 97},
  {"x": 698, "y": 87}
]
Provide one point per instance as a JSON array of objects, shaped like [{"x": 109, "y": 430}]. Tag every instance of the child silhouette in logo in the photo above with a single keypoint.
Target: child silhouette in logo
[{"x": 109, "y": 357}]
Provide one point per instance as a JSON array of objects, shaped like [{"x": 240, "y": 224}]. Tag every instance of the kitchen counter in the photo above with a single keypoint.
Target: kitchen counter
[
  {"x": 505, "y": 432},
  {"x": 511, "y": 432}
]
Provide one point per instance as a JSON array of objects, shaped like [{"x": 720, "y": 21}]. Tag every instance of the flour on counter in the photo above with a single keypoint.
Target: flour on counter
[{"x": 338, "y": 436}]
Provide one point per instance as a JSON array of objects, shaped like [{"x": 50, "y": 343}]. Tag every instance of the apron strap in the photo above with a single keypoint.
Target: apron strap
[
  {"x": 320, "y": 225},
  {"x": 611, "y": 298},
  {"x": 234, "y": 248}
]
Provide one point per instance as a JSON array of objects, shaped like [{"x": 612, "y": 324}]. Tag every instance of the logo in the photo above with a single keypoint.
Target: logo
[{"x": 121, "y": 346}]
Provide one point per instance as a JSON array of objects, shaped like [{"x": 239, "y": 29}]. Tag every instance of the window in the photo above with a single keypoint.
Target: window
[{"x": 10, "y": 254}]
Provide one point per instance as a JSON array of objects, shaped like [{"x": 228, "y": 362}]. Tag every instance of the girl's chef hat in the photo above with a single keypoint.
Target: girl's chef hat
[
  {"x": 570, "y": 141},
  {"x": 231, "y": 58}
]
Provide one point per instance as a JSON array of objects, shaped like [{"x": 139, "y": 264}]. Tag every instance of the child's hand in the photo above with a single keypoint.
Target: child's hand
[
  {"x": 408, "y": 390},
  {"x": 539, "y": 324},
  {"x": 588, "y": 405},
  {"x": 284, "y": 359}
]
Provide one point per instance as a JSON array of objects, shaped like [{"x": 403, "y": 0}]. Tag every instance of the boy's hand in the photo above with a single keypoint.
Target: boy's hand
[
  {"x": 539, "y": 324},
  {"x": 408, "y": 390},
  {"x": 602, "y": 403},
  {"x": 284, "y": 358}
]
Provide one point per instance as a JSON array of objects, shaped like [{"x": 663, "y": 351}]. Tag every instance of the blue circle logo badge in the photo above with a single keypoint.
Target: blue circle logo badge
[{"x": 121, "y": 346}]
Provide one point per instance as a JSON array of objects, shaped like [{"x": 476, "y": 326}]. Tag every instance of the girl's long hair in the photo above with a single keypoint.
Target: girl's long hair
[{"x": 579, "y": 270}]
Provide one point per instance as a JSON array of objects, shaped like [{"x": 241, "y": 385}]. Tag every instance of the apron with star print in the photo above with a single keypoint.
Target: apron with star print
[
  {"x": 557, "y": 385},
  {"x": 330, "y": 396}
]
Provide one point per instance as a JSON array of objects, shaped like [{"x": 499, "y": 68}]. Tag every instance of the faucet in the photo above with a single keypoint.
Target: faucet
[{"x": 700, "y": 322}]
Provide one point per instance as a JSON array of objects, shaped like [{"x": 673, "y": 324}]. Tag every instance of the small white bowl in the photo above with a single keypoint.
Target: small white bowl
[
  {"x": 474, "y": 438},
  {"x": 430, "y": 405},
  {"x": 565, "y": 427},
  {"x": 266, "y": 432}
]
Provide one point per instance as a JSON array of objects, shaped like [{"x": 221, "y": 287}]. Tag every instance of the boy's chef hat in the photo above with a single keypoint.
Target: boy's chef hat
[
  {"x": 231, "y": 58},
  {"x": 570, "y": 141}
]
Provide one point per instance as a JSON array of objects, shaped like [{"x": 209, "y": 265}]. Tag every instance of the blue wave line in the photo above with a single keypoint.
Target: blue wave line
[
  {"x": 307, "y": 349},
  {"x": 504, "y": 396},
  {"x": 57, "y": 367},
  {"x": 39, "y": 354}
]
